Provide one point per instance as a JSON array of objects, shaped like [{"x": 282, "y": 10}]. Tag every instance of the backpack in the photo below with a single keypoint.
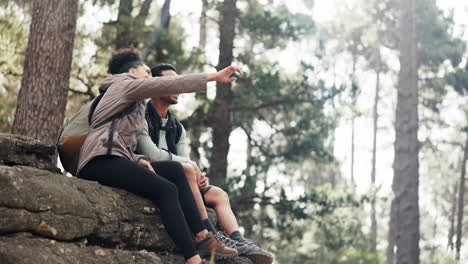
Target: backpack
[{"x": 75, "y": 131}]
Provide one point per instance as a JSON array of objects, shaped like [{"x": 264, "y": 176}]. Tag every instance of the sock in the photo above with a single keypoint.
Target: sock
[
  {"x": 209, "y": 226},
  {"x": 236, "y": 235}
]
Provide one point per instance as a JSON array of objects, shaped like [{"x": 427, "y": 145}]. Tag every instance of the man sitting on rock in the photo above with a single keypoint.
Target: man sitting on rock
[{"x": 164, "y": 138}]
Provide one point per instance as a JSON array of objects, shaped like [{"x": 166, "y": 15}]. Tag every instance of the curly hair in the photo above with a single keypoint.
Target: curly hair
[{"x": 123, "y": 60}]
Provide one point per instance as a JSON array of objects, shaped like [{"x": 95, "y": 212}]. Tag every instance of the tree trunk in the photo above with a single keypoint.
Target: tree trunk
[
  {"x": 144, "y": 10},
  {"x": 221, "y": 118},
  {"x": 353, "y": 114},
  {"x": 352, "y": 148},
  {"x": 453, "y": 211},
  {"x": 44, "y": 86},
  {"x": 406, "y": 165},
  {"x": 195, "y": 146},
  {"x": 263, "y": 213},
  {"x": 390, "y": 254},
  {"x": 195, "y": 125},
  {"x": 374, "y": 160},
  {"x": 165, "y": 15},
  {"x": 433, "y": 247},
  {"x": 124, "y": 38},
  {"x": 461, "y": 201},
  {"x": 203, "y": 20},
  {"x": 153, "y": 36}
]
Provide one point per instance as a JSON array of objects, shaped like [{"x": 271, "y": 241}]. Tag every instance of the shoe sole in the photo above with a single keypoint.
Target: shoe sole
[{"x": 259, "y": 258}]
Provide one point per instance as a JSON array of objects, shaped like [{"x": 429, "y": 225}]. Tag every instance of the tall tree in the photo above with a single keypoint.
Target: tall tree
[
  {"x": 44, "y": 86},
  {"x": 374, "y": 158},
  {"x": 203, "y": 29},
  {"x": 378, "y": 66},
  {"x": 391, "y": 236},
  {"x": 453, "y": 211},
  {"x": 130, "y": 28},
  {"x": 406, "y": 164},
  {"x": 461, "y": 197},
  {"x": 164, "y": 22},
  {"x": 221, "y": 118},
  {"x": 124, "y": 36}
]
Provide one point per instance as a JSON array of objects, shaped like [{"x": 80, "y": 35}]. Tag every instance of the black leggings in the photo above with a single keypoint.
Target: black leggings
[{"x": 168, "y": 189}]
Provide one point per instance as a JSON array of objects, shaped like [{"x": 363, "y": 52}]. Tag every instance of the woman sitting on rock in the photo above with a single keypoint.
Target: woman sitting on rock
[{"x": 107, "y": 155}]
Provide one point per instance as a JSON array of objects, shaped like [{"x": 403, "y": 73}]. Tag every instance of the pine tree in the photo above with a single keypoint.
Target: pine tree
[{"x": 44, "y": 86}]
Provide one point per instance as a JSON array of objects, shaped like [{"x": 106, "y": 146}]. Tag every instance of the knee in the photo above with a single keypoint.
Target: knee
[
  {"x": 189, "y": 173},
  {"x": 221, "y": 196},
  {"x": 224, "y": 197}
]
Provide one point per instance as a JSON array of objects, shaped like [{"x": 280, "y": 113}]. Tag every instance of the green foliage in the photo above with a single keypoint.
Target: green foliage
[
  {"x": 289, "y": 118},
  {"x": 13, "y": 34},
  {"x": 169, "y": 47},
  {"x": 166, "y": 46},
  {"x": 272, "y": 25},
  {"x": 294, "y": 110},
  {"x": 437, "y": 43},
  {"x": 324, "y": 226},
  {"x": 459, "y": 80}
]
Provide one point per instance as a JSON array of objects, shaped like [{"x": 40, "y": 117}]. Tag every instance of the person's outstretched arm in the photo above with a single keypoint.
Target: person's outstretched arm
[{"x": 138, "y": 89}]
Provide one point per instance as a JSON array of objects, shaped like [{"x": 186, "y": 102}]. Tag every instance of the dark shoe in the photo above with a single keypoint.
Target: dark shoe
[
  {"x": 241, "y": 247},
  {"x": 211, "y": 243},
  {"x": 255, "y": 253}
]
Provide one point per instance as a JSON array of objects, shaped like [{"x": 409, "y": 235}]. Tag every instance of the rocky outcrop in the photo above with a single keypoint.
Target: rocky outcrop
[
  {"x": 19, "y": 150},
  {"x": 25, "y": 248},
  {"x": 46, "y": 217}
]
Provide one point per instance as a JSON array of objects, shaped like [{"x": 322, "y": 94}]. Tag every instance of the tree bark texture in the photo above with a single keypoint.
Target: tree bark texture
[
  {"x": 221, "y": 119},
  {"x": 44, "y": 86},
  {"x": 374, "y": 161},
  {"x": 461, "y": 202},
  {"x": 406, "y": 163}
]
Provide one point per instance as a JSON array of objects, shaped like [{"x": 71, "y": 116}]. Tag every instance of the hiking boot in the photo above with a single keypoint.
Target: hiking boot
[
  {"x": 212, "y": 243},
  {"x": 255, "y": 253},
  {"x": 241, "y": 247}
]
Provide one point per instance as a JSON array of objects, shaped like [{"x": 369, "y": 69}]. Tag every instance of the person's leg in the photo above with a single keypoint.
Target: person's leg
[
  {"x": 219, "y": 201},
  {"x": 175, "y": 173},
  {"x": 121, "y": 173},
  {"x": 192, "y": 179}
]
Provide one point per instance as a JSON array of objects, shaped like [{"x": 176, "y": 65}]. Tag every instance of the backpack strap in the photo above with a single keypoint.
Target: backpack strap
[
  {"x": 93, "y": 107},
  {"x": 112, "y": 119},
  {"x": 118, "y": 115}
]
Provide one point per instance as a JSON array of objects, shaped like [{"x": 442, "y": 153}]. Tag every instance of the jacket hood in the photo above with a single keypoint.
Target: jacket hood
[{"x": 113, "y": 79}]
